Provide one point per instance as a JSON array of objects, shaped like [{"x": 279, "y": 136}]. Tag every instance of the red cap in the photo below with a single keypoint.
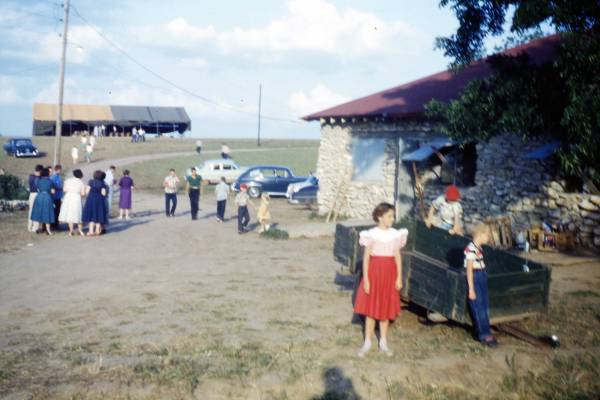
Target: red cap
[
  {"x": 452, "y": 193},
  {"x": 243, "y": 186}
]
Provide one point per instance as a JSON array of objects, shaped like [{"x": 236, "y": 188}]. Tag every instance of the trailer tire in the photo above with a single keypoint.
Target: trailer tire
[{"x": 436, "y": 317}]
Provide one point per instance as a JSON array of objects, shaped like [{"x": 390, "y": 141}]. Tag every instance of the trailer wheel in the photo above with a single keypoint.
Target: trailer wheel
[{"x": 436, "y": 317}]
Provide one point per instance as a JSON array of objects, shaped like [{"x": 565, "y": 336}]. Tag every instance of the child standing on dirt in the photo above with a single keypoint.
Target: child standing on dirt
[
  {"x": 263, "y": 214},
  {"x": 242, "y": 200},
  {"x": 378, "y": 296},
  {"x": 477, "y": 285},
  {"x": 221, "y": 193}
]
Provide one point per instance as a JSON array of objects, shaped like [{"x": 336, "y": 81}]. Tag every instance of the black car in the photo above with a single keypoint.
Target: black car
[
  {"x": 20, "y": 147},
  {"x": 271, "y": 179},
  {"x": 303, "y": 192}
]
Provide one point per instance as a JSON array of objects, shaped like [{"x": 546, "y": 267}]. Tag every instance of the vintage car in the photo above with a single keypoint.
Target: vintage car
[
  {"x": 271, "y": 179},
  {"x": 20, "y": 147},
  {"x": 303, "y": 192},
  {"x": 213, "y": 170},
  {"x": 433, "y": 275}
]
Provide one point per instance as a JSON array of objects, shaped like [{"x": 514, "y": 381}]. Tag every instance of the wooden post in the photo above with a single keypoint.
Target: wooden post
[
  {"x": 419, "y": 190},
  {"x": 61, "y": 88}
]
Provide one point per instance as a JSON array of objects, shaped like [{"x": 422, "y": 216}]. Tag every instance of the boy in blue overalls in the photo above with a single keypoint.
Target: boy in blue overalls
[{"x": 477, "y": 285}]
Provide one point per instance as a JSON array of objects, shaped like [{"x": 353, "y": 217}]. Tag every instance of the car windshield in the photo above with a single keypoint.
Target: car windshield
[{"x": 23, "y": 142}]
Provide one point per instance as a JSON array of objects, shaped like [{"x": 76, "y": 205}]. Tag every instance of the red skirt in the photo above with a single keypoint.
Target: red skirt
[{"x": 383, "y": 301}]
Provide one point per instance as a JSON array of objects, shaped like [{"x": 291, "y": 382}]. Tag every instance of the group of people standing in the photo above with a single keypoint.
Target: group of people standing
[
  {"x": 194, "y": 185},
  {"x": 87, "y": 146},
  {"x": 53, "y": 201},
  {"x": 378, "y": 295},
  {"x": 138, "y": 135}
]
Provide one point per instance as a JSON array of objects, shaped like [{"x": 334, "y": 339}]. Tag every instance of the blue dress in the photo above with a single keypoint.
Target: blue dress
[
  {"x": 43, "y": 206},
  {"x": 95, "y": 204}
]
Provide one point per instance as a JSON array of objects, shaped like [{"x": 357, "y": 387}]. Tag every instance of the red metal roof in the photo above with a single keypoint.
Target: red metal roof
[{"x": 409, "y": 100}]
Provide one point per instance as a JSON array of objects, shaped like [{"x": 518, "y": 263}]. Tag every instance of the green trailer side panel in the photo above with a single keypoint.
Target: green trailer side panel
[{"x": 434, "y": 276}]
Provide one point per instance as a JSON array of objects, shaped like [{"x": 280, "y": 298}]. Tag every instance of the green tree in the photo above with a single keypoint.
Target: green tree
[{"x": 559, "y": 99}]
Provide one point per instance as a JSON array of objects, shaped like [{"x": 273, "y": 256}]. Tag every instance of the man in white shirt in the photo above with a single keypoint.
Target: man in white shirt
[
  {"x": 225, "y": 151},
  {"x": 170, "y": 184}
]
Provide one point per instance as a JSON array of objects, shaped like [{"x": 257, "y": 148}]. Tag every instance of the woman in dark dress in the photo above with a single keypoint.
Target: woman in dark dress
[
  {"x": 125, "y": 189},
  {"x": 43, "y": 205},
  {"x": 94, "y": 211}
]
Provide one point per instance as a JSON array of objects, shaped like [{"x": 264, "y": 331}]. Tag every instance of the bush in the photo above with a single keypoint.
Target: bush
[
  {"x": 275, "y": 234},
  {"x": 11, "y": 188}
]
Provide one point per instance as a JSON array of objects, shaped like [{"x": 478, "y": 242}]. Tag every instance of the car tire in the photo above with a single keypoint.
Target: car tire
[{"x": 254, "y": 192}]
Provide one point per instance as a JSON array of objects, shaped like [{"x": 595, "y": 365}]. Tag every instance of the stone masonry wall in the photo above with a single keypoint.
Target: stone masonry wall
[
  {"x": 335, "y": 164},
  {"x": 526, "y": 190},
  {"x": 506, "y": 184}
]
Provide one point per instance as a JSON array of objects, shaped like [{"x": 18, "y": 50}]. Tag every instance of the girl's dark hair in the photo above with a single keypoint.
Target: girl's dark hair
[
  {"x": 78, "y": 174},
  {"x": 98, "y": 175},
  {"x": 381, "y": 209},
  {"x": 39, "y": 168},
  {"x": 45, "y": 172},
  {"x": 103, "y": 176},
  {"x": 126, "y": 172}
]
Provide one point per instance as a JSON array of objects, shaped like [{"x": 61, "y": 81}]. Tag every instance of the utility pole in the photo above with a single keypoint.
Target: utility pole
[
  {"x": 61, "y": 88},
  {"x": 259, "y": 101}
]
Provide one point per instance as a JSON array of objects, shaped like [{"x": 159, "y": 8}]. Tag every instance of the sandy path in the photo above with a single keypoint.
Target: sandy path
[{"x": 154, "y": 284}]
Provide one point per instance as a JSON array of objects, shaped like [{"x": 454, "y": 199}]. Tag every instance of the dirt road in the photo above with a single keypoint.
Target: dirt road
[{"x": 173, "y": 308}]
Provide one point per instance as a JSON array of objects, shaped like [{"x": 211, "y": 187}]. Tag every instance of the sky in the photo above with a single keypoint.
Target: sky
[{"x": 308, "y": 55}]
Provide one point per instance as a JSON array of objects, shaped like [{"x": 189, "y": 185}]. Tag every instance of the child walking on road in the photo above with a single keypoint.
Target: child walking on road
[
  {"x": 221, "y": 193},
  {"x": 478, "y": 287},
  {"x": 378, "y": 296},
  {"x": 242, "y": 200}
]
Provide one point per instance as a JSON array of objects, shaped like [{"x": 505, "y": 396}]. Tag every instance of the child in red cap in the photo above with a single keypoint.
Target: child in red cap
[
  {"x": 242, "y": 200},
  {"x": 449, "y": 212}
]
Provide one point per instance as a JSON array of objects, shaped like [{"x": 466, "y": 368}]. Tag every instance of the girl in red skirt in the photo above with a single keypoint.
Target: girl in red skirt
[{"x": 378, "y": 296}]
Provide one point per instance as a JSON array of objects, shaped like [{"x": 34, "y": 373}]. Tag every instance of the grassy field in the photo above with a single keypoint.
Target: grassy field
[
  {"x": 148, "y": 175},
  {"x": 110, "y": 148}
]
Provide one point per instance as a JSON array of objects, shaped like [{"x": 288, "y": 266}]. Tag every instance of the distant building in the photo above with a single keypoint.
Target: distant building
[
  {"x": 116, "y": 120},
  {"x": 370, "y": 146}
]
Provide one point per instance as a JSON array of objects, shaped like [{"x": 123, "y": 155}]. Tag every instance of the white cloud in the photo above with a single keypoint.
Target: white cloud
[
  {"x": 9, "y": 94},
  {"x": 82, "y": 40},
  {"x": 122, "y": 92},
  {"x": 320, "y": 97},
  {"x": 36, "y": 47},
  {"x": 315, "y": 25},
  {"x": 194, "y": 62}
]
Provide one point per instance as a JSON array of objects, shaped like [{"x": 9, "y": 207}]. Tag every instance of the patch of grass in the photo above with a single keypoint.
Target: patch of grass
[
  {"x": 275, "y": 234},
  {"x": 568, "y": 378},
  {"x": 301, "y": 157},
  {"x": 6, "y": 374},
  {"x": 315, "y": 216},
  {"x": 120, "y": 147},
  {"x": 150, "y": 296},
  {"x": 114, "y": 346},
  {"x": 584, "y": 293}
]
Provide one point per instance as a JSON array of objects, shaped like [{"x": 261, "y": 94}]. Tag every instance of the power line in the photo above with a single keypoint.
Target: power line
[{"x": 171, "y": 83}]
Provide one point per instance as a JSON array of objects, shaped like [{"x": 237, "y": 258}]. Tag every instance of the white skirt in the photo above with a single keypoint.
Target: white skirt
[{"x": 70, "y": 209}]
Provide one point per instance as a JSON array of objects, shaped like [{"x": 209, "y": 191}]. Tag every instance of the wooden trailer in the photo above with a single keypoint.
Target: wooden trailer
[{"x": 434, "y": 277}]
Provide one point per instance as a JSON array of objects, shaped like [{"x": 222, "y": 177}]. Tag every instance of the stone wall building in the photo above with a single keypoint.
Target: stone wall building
[{"x": 366, "y": 143}]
